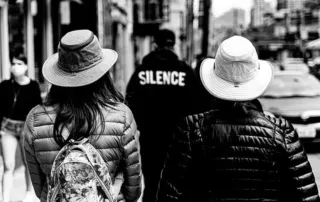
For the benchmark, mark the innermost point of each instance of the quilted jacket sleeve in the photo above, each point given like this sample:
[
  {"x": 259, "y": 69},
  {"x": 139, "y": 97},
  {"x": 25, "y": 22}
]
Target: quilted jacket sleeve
[
  {"x": 131, "y": 188},
  {"x": 299, "y": 171},
  {"x": 174, "y": 175},
  {"x": 38, "y": 178}
]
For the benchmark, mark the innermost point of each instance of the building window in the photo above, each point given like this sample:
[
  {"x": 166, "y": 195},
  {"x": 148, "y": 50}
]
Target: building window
[
  {"x": 156, "y": 10},
  {"x": 16, "y": 27}
]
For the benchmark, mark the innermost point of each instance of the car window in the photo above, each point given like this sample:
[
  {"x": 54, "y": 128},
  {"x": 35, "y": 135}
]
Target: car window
[
  {"x": 295, "y": 64},
  {"x": 293, "y": 85}
]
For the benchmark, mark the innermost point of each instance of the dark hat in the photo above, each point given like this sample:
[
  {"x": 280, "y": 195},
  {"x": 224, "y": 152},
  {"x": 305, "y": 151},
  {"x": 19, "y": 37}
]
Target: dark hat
[
  {"x": 80, "y": 60},
  {"x": 165, "y": 37}
]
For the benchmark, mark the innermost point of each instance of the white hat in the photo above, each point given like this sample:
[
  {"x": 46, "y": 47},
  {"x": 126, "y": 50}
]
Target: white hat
[{"x": 236, "y": 73}]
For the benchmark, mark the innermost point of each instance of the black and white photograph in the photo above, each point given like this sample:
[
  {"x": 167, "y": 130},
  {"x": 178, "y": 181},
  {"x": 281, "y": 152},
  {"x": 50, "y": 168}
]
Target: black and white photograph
[{"x": 159, "y": 100}]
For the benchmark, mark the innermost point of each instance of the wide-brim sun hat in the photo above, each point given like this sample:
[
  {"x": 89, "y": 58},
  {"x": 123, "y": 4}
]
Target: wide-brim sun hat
[
  {"x": 80, "y": 60},
  {"x": 236, "y": 73}
]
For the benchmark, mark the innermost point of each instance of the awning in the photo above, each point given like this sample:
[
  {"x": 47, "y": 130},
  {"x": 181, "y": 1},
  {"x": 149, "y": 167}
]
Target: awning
[{"x": 315, "y": 44}]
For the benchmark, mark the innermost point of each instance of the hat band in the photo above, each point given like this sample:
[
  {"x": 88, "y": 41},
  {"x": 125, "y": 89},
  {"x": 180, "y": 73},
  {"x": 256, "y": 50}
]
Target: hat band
[
  {"x": 252, "y": 76},
  {"x": 70, "y": 70}
]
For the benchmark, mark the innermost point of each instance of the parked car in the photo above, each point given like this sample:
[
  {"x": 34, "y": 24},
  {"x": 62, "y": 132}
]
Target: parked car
[
  {"x": 314, "y": 66},
  {"x": 295, "y": 64},
  {"x": 295, "y": 96}
]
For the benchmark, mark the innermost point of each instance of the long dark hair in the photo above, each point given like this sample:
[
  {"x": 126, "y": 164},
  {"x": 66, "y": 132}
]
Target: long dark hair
[{"x": 80, "y": 107}]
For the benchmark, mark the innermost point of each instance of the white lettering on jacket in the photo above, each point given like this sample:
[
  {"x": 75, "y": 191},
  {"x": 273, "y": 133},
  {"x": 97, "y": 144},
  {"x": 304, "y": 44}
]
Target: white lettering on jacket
[{"x": 162, "y": 78}]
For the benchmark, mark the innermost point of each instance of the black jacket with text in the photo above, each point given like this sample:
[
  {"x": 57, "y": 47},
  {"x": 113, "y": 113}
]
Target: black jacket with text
[
  {"x": 161, "y": 91},
  {"x": 236, "y": 154}
]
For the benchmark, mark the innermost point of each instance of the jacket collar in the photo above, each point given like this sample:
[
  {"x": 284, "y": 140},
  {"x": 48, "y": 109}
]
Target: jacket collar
[{"x": 239, "y": 108}]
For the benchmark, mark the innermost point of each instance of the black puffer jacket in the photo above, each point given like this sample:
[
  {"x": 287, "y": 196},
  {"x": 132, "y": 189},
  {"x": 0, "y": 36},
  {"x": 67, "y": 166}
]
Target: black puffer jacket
[{"x": 236, "y": 155}]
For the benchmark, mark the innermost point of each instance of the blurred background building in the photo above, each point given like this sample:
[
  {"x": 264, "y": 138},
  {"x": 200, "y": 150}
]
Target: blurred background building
[{"x": 35, "y": 26}]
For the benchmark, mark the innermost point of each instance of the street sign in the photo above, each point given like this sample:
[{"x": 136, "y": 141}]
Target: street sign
[{"x": 275, "y": 46}]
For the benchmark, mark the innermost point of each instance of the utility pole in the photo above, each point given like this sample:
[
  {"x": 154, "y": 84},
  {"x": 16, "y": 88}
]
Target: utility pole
[
  {"x": 297, "y": 37},
  {"x": 190, "y": 18},
  {"x": 206, "y": 20}
]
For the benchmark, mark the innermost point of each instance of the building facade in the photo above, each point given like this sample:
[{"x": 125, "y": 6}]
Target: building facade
[
  {"x": 296, "y": 21},
  {"x": 17, "y": 33},
  {"x": 36, "y": 26},
  {"x": 4, "y": 37},
  {"x": 290, "y": 4},
  {"x": 259, "y": 12},
  {"x": 152, "y": 15}
]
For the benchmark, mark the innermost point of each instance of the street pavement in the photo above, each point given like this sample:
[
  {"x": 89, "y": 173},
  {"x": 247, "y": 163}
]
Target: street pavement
[
  {"x": 19, "y": 184},
  {"x": 314, "y": 159}
]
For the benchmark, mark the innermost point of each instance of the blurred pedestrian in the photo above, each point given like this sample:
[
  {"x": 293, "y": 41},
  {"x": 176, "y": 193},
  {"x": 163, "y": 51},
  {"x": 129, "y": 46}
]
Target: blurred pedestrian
[
  {"x": 161, "y": 90},
  {"x": 236, "y": 152},
  {"x": 83, "y": 103},
  {"x": 19, "y": 95}
]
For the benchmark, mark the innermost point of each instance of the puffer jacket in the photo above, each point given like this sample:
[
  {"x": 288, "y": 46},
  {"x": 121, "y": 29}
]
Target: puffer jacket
[
  {"x": 236, "y": 155},
  {"x": 118, "y": 147}
]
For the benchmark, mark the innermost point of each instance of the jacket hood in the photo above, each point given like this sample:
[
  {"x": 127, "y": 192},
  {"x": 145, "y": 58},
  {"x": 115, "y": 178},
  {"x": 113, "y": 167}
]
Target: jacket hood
[{"x": 160, "y": 55}]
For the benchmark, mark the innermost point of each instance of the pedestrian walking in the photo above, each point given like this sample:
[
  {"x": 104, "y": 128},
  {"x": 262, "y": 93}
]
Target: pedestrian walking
[
  {"x": 162, "y": 90},
  {"x": 19, "y": 95},
  {"x": 82, "y": 104},
  {"x": 236, "y": 152}
]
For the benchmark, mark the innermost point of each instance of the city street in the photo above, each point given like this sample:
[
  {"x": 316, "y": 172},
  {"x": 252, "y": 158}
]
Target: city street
[
  {"x": 156, "y": 54},
  {"x": 19, "y": 185},
  {"x": 314, "y": 159}
]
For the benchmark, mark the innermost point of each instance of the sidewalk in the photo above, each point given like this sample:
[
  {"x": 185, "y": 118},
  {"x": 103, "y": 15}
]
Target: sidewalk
[{"x": 19, "y": 184}]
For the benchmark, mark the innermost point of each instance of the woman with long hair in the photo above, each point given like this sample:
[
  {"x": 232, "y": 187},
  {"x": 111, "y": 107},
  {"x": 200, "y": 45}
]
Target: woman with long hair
[
  {"x": 83, "y": 103},
  {"x": 19, "y": 95}
]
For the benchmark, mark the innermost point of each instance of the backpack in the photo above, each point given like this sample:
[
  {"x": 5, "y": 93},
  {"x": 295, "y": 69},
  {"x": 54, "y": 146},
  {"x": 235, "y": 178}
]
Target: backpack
[{"x": 79, "y": 173}]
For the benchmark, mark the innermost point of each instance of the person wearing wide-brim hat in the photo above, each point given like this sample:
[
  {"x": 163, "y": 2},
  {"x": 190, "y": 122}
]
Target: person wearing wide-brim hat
[
  {"x": 83, "y": 103},
  {"x": 236, "y": 152}
]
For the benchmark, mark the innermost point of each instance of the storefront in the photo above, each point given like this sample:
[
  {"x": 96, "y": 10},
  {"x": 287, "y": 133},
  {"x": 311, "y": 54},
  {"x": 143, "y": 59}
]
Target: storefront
[
  {"x": 17, "y": 34},
  {"x": 35, "y": 27},
  {"x": 25, "y": 28},
  {"x": 4, "y": 47}
]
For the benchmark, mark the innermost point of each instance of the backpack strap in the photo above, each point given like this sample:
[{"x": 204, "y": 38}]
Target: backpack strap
[{"x": 53, "y": 181}]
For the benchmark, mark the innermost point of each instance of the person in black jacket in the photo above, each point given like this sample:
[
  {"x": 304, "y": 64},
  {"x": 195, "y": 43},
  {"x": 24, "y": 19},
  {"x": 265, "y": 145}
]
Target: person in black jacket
[
  {"x": 236, "y": 152},
  {"x": 19, "y": 95},
  {"x": 162, "y": 90}
]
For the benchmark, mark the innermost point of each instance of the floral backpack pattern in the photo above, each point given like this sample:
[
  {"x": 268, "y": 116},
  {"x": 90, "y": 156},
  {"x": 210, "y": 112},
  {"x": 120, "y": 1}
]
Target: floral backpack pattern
[{"x": 79, "y": 174}]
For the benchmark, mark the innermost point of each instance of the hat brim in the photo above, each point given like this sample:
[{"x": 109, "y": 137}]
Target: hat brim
[
  {"x": 229, "y": 91},
  {"x": 56, "y": 76}
]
